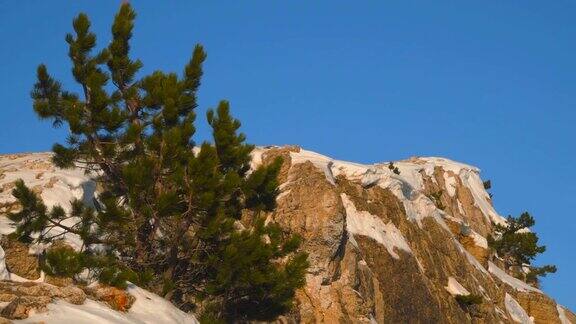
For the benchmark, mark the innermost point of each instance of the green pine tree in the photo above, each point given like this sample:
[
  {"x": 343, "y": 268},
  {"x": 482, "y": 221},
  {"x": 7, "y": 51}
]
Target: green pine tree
[
  {"x": 163, "y": 207},
  {"x": 518, "y": 246}
]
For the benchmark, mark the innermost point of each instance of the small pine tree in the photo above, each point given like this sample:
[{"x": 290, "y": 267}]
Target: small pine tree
[
  {"x": 518, "y": 246},
  {"x": 164, "y": 208},
  {"x": 393, "y": 168}
]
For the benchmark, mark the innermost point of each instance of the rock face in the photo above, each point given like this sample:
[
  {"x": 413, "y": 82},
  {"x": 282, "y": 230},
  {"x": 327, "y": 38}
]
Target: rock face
[
  {"x": 23, "y": 297},
  {"x": 398, "y": 248},
  {"x": 384, "y": 247}
]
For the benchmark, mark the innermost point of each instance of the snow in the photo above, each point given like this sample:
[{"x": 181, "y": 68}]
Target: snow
[
  {"x": 147, "y": 309},
  {"x": 455, "y": 288},
  {"x": 450, "y": 183},
  {"x": 516, "y": 312},
  {"x": 509, "y": 280},
  {"x": 36, "y": 169},
  {"x": 562, "y": 315},
  {"x": 58, "y": 187},
  {"x": 366, "y": 224},
  {"x": 479, "y": 240},
  {"x": 151, "y": 308},
  {"x": 320, "y": 161},
  {"x": 409, "y": 184},
  {"x": 481, "y": 198},
  {"x": 256, "y": 157},
  {"x": 4, "y": 274},
  {"x": 410, "y": 173}
]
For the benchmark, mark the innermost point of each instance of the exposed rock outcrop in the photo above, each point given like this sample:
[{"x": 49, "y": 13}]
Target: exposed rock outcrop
[
  {"x": 23, "y": 297},
  {"x": 384, "y": 246}
]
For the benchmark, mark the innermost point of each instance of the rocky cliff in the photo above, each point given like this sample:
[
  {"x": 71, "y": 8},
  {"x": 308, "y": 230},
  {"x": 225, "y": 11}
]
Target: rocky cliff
[{"x": 384, "y": 246}]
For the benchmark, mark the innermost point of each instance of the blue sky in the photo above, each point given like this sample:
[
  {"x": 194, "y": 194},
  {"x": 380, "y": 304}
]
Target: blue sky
[{"x": 489, "y": 83}]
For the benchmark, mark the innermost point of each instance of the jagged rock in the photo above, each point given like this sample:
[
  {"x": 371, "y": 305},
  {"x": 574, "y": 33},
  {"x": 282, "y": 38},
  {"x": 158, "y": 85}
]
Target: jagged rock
[
  {"x": 20, "y": 307},
  {"x": 58, "y": 281},
  {"x": 358, "y": 278},
  {"x": 539, "y": 306},
  {"x": 25, "y": 296},
  {"x": 19, "y": 260},
  {"x": 117, "y": 299}
]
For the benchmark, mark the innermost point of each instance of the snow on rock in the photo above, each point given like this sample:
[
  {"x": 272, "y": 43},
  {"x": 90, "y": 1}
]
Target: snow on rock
[
  {"x": 320, "y": 161},
  {"x": 409, "y": 184},
  {"x": 4, "y": 274},
  {"x": 470, "y": 177},
  {"x": 509, "y": 280},
  {"x": 562, "y": 315},
  {"x": 471, "y": 259},
  {"x": 516, "y": 312},
  {"x": 256, "y": 157},
  {"x": 366, "y": 224},
  {"x": 151, "y": 308},
  {"x": 479, "y": 240},
  {"x": 481, "y": 198},
  {"x": 417, "y": 205},
  {"x": 147, "y": 309},
  {"x": 56, "y": 186},
  {"x": 455, "y": 288},
  {"x": 450, "y": 183}
]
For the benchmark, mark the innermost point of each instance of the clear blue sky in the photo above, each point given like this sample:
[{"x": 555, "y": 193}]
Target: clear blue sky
[{"x": 490, "y": 83}]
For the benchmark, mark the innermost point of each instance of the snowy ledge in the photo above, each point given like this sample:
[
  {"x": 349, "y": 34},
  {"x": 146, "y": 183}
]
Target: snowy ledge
[
  {"x": 511, "y": 281},
  {"x": 365, "y": 224}
]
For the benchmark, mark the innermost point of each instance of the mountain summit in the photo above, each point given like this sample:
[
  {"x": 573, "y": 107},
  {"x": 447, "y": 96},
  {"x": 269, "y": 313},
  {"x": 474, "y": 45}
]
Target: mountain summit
[{"x": 396, "y": 242}]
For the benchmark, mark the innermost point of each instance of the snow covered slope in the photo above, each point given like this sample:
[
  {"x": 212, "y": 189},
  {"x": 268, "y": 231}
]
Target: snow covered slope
[
  {"x": 59, "y": 187},
  {"x": 147, "y": 309}
]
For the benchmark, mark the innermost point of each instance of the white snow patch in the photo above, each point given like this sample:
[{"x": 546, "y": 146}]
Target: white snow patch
[
  {"x": 471, "y": 179},
  {"x": 479, "y": 240},
  {"x": 516, "y": 312},
  {"x": 450, "y": 183},
  {"x": 410, "y": 173},
  {"x": 4, "y": 274},
  {"x": 36, "y": 169},
  {"x": 455, "y": 288},
  {"x": 58, "y": 187},
  {"x": 366, "y": 224},
  {"x": 256, "y": 157},
  {"x": 509, "y": 280},
  {"x": 562, "y": 315}
]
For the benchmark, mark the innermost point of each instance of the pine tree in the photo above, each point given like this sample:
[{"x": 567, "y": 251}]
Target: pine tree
[
  {"x": 518, "y": 246},
  {"x": 163, "y": 207}
]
